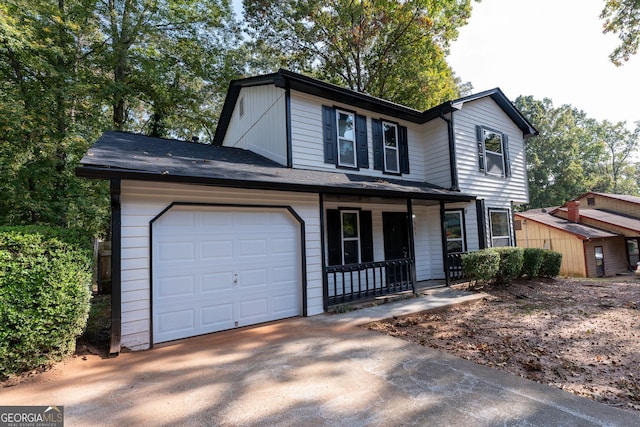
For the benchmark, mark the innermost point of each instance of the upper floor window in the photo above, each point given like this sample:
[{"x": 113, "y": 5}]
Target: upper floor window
[
  {"x": 390, "y": 147},
  {"x": 391, "y": 157},
  {"x": 345, "y": 138},
  {"x": 455, "y": 231},
  {"x": 493, "y": 152},
  {"x": 500, "y": 227}
]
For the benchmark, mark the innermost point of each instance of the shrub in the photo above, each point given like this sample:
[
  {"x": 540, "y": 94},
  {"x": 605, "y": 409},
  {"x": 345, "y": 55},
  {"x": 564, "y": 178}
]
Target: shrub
[
  {"x": 44, "y": 295},
  {"x": 511, "y": 260},
  {"x": 532, "y": 262},
  {"x": 551, "y": 262},
  {"x": 481, "y": 265}
]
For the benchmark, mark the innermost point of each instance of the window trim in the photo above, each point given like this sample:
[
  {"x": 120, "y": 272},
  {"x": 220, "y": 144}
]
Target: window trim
[
  {"x": 463, "y": 237},
  {"x": 352, "y": 140},
  {"x": 385, "y": 147},
  {"x": 482, "y": 152},
  {"x": 344, "y": 239},
  {"x": 509, "y": 226}
]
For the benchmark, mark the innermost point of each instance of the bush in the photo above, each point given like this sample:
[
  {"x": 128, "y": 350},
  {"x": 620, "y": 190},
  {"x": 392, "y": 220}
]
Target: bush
[
  {"x": 551, "y": 262},
  {"x": 45, "y": 278},
  {"x": 481, "y": 265},
  {"x": 532, "y": 262},
  {"x": 511, "y": 259}
]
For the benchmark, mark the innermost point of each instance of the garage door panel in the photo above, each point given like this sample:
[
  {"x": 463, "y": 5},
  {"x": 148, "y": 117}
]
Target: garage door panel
[
  {"x": 216, "y": 282},
  {"x": 198, "y": 257},
  {"x": 216, "y": 250},
  {"x": 217, "y": 317}
]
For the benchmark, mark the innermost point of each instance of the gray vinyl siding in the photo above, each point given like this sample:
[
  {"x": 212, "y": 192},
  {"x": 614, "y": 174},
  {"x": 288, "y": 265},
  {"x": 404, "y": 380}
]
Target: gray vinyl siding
[
  {"x": 262, "y": 129},
  {"x": 497, "y": 191},
  {"x": 142, "y": 201},
  {"x": 308, "y": 145},
  {"x": 436, "y": 153}
]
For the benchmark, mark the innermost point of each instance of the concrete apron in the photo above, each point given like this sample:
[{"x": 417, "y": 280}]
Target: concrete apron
[{"x": 314, "y": 371}]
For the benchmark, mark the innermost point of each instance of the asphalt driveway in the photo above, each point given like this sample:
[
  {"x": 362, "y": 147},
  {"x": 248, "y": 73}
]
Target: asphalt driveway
[{"x": 317, "y": 371}]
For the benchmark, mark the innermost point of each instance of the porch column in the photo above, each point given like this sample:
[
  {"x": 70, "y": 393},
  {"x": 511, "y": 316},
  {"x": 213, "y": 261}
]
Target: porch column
[
  {"x": 443, "y": 233},
  {"x": 325, "y": 284},
  {"x": 412, "y": 246}
]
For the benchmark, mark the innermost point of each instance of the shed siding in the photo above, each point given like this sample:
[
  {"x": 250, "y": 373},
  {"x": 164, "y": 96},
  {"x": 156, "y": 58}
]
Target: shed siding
[
  {"x": 615, "y": 256},
  {"x": 496, "y": 190},
  {"x": 262, "y": 129},
  {"x": 307, "y": 138},
  {"x": 610, "y": 204},
  {"x": 536, "y": 235},
  {"x": 142, "y": 201}
]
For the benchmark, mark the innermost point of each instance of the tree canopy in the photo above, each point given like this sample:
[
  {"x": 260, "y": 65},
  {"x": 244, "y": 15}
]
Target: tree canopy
[
  {"x": 622, "y": 17},
  {"x": 394, "y": 50}
]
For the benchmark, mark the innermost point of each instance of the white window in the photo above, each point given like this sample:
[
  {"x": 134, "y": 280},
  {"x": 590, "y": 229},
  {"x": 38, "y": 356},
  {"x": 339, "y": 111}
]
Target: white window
[
  {"x": 346, "y": 139},
  {"x": 494, "y": 153},
  {"x": 350, "y": 237},
  {"x": 391, "y": 157},
  {"x": 455, "y": 231},
  {"x": 500, "y": 227}
]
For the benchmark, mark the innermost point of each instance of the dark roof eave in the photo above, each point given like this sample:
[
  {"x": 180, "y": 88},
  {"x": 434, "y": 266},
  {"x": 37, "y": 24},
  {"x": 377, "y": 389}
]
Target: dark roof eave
[{"x": 111, "y": 173}]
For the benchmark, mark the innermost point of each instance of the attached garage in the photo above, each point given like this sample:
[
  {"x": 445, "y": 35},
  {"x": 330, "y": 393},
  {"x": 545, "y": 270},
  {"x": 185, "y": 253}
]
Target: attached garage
[{"x": 221, "y": 267}]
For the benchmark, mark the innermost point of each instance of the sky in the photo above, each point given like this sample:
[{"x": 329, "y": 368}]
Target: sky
[{"x": 549, "y": 49}]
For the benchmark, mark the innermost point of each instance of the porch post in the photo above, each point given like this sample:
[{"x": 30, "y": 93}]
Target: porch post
[
  {"x": 443, "y": 233},
  {"x": 325, "y": 284},
  {"x": 412, "y": 246}
]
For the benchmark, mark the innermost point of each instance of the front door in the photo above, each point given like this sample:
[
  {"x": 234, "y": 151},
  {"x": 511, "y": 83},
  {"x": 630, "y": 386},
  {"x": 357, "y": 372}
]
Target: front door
[{"x": 396, "y": 246}]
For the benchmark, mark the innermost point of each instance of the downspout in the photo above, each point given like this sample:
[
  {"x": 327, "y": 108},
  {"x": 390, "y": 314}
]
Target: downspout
[
  {"x": 453, "y": 162},
  {"x": 443, "y": 234},
  {"x": 412, "y": 245},
  {"x": 287, "y": 103},
  {"x": 116, "y": 285}
]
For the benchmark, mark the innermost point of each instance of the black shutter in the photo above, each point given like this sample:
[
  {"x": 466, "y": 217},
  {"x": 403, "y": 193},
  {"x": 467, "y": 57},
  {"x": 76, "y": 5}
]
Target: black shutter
[
  {"x": 334, "y": 237},
  {"x": 376, "y": 130},
  {"x": 404, "y": 149},
  {"x": 480, "y": 139},
  {"x": 366, "y": 236},
  {"x": 482, "y": 224},
  {"x": 361, "y": 141},
  {"x": 507, "y": 160},
  {"x": 329, "y": 135}
]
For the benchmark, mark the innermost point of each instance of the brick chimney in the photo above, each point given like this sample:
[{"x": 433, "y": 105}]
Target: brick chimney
[{"x": 573, "y": 211}]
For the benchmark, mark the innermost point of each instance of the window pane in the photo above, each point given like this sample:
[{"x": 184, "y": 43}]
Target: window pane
[
  {"x": 391, "y": 160},
  {"x": 390, "y": 139},
  {"x": 351, "y": 252},
  {"x": 499, "y": 224},
  {"x": 347, "y": 155},
  {"x": 454, "y": 227},
  {"x": 345, "y": 125},
  {"x": 454, "y": 246},
  {"x": 495, "y": 165},
  {"x": 492, "y": 142},
  {"x": 504, "y": 241},
  {"x": 349, "y": 225}
]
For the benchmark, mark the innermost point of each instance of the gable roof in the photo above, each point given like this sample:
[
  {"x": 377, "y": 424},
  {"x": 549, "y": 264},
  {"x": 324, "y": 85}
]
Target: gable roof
[
  {"x": 581, "y": 231},
  {"x": 621, "y": 197},
  {"x": 606, "y": 217},
  {"x": 289, "y": 80},
  {"x": 132, "y": 156}
]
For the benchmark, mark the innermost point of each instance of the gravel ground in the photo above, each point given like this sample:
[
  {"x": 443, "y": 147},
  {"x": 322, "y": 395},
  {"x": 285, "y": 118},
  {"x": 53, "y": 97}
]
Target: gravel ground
[{"x": 579, "y": 335}]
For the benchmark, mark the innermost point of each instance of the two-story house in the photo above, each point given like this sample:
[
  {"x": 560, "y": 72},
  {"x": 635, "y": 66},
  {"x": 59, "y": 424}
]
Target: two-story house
[{"x": 311, "y": 195}]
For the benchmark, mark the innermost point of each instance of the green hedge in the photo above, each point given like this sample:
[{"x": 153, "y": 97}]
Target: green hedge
[
  {"x": 45, "y": 278},
  {"x": 532, "y": 262},
  {"x": 551, "y": 262},
  {"x": 511, "y": 259},
  {"x": 481, "y": 266}
]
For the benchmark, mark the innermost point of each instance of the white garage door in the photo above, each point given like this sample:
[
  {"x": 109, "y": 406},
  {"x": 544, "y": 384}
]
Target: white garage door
[{"x": 222, "y": 268}]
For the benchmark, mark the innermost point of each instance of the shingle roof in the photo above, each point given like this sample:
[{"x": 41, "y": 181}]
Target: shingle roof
[
  {"x": 132, "y": 156},
  {"x": 581, "y": 231},
  {"x": 609, "y": 217}
]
